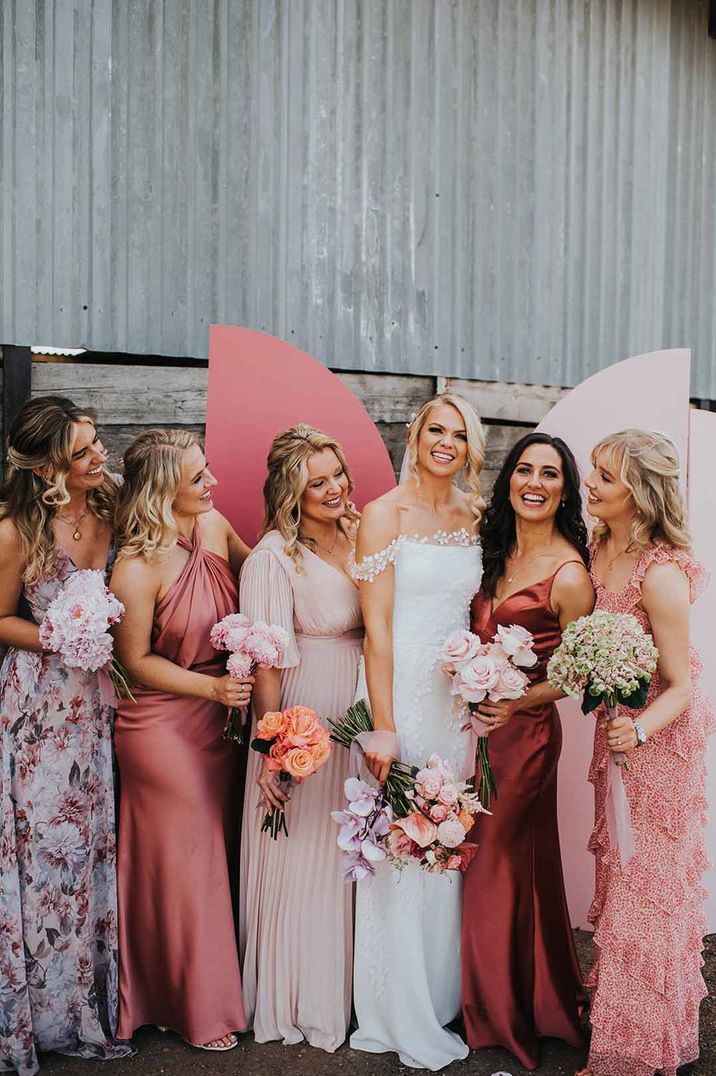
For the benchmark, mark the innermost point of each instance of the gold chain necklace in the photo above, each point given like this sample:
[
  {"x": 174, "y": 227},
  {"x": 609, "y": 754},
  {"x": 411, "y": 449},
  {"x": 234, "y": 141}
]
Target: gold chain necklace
[
  {"x": 312, "y": 541},
  {"x": 77, "y": 533},
  {"x": 521, "y": 567},
  {"x": 611, "y": 560}
]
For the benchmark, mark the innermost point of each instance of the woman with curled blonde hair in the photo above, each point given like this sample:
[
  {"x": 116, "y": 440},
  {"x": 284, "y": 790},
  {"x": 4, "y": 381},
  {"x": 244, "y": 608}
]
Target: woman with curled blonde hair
[
  {"x": 58, "y": 942},
  {"x": 176, "y": 573},
  {"x": 296, "y": 918},
  {"x": 419, "y": 563},
  {"x": 648, "y": 915}
]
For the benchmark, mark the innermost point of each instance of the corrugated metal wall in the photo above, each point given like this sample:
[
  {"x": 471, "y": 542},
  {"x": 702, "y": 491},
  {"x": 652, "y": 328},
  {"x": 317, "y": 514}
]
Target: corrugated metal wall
[{"x": 518, "y": 190}]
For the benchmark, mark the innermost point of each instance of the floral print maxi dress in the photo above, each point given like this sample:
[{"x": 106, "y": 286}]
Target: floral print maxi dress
[
  {"x": 58, "y": 912},
  {"x": 646, "y": 981}
]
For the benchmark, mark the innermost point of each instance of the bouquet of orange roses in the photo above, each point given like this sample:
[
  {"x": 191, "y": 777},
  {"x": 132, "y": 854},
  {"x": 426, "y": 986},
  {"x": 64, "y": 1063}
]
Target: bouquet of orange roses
[{"x": 295, "y": 745}]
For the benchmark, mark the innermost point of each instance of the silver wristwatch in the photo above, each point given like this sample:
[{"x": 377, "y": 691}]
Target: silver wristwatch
[{"x": 640, "y": 734}]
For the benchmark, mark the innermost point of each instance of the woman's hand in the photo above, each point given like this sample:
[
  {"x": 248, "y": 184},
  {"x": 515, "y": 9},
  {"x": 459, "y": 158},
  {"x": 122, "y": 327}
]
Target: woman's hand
[
  {"x": 621, "y": 734},
  {"x": 379, "y": 765},
  {"x": 231, "y": 692},
  {"x": 270, "y": 786},
  {"x": 495, "y": 715}
]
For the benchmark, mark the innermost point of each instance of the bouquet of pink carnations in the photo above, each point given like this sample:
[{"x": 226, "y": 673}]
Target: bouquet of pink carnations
[
  {"x": 76, "y": 626},
  {"x": 421, "y": 816},
  {"x": 295, "y": 745},
  {"x": 252, "y": 644},
  {"x": 491, "y": 671},
  {"x": 607, "y": 658}
]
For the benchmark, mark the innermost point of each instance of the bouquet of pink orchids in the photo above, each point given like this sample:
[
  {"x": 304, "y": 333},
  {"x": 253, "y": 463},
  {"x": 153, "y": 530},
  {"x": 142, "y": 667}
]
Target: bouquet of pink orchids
[
  {"x": 492, "y": 671},
  {"x": 432, "y": 833},
  {"x": 252, "y": 644},
  {"x": 419, "y": 815},
  {"x": 295, "y": 744},
  {"x": 76, "y": 626}
]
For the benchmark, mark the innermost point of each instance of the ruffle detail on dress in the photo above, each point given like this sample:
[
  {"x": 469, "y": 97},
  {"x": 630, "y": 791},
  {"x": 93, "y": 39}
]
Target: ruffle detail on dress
[{"x": 662, "y": 553}]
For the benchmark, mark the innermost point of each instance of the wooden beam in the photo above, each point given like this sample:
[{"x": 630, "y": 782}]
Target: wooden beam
[{"x": 17, "y": 371}]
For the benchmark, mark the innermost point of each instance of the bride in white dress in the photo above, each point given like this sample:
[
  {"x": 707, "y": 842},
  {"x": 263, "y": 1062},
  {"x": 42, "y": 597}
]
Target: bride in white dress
[{"x": 419, "y": 564}]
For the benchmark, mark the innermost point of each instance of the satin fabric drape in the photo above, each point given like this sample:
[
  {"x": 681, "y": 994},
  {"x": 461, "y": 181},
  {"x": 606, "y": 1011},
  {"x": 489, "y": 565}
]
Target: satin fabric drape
[
  {"x": 520, "y": 975},
  {"x": 178, "y": 958}
]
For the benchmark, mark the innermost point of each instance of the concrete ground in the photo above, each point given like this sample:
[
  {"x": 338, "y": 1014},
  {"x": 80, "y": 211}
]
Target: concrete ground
[{"x": 159, "y": 1054}]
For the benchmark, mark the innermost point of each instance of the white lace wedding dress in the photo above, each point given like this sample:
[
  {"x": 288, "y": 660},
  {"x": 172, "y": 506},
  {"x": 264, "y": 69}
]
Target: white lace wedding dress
[{"x": 407, "y": 944}]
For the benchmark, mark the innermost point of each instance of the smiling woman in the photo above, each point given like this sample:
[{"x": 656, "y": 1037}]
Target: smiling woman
[
  {"x": 176, "y": 573},
  {"x": 520, "y": 978},
  {"x": 296, "y": 921},
  {"x": 58, "y": 938}
]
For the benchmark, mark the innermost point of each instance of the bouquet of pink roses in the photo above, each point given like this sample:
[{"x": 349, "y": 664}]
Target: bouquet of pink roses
[
  {"x": 433, "y": 833},
  {"x": 251, "y": 644},
  {"x": 488, "y": 671},
  {"x": 76, "y": 626},
  {"x": 295, "y": 745}
]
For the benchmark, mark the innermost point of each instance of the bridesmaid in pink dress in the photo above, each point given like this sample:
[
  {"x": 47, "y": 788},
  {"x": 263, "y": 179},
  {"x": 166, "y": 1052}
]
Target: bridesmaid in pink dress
[
  {"x": 520, "y": 976},
  {"x": 178, "y": 959},
  {"x": 296, "y": 915},
  {"x": 649, "y": 919}
]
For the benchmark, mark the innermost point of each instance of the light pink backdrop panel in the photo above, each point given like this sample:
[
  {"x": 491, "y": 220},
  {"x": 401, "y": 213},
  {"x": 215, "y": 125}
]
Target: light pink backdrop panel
[
  {"x": 649, "y": 390},
  {"x": 702, "y": 518},
  {"x": 259, "y": 385}
]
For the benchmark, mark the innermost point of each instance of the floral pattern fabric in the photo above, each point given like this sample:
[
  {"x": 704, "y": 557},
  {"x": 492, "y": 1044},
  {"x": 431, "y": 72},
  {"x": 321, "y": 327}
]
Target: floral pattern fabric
[
  {"x": 646, "y": 982},
  {"x": 58, "y": 916}
]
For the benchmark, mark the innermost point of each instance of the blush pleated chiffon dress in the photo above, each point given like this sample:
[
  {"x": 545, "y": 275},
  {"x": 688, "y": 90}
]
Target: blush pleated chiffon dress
[
  {"x": 646, "y": 982},
  {"x": 179, "y": 964},
  {"x": 296, "y": 911}
]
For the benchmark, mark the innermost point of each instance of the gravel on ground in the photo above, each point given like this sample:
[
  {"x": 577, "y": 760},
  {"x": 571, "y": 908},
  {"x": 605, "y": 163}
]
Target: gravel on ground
[{"x": 166, "y": 1055}]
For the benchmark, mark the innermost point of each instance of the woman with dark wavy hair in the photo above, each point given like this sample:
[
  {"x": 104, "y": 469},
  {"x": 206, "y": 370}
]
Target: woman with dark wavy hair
[{"x": 520, "y": 976}]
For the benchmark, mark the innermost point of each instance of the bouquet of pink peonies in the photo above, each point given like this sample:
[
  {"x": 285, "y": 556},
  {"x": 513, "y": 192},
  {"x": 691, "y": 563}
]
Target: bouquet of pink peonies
[
  {"x": 490, "y": 671},
  {"x": 251, "y": 644},
  {"x": 76, "y": 626},
  {"x": 607, "y": 658},
  {"x": 295, "y": 745}
]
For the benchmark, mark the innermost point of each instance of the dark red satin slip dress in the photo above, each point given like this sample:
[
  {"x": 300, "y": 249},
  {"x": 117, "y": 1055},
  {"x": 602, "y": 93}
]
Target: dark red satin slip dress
[{"x": 520, "y": 975}]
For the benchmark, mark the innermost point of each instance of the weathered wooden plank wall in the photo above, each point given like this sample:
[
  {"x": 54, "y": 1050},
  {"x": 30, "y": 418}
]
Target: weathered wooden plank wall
[{"x": 130, "y": 398}]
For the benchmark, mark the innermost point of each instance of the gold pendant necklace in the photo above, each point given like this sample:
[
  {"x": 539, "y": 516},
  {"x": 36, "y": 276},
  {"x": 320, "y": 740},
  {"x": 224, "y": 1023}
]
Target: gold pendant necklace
[
  {"x": 77, "y": 533},
  {"x": 312, "y": 541}
]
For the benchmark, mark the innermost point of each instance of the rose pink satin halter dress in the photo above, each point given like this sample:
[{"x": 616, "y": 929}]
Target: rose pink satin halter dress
[
  {"x": 178, "y": 803},
  {"x": 520, "y": 976}
]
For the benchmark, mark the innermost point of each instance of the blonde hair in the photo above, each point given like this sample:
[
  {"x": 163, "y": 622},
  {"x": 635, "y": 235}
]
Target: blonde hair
[
  {"x": 475, "y": 446},
  {"x": 145, "y": 520},
  {"x": 39, "y": 460},
  {"x": 287, "y": 479},
  {"x": 647, "y": 462}
]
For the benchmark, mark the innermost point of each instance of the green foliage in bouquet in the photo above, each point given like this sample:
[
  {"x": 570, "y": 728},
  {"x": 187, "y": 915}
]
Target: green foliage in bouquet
[{"x": 401, "y": 778}]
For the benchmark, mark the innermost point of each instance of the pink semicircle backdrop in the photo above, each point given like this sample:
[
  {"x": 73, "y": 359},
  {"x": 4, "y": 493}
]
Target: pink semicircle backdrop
[
  {"x": 650, "y": 390},
  {"x": 258, "y": 386}
]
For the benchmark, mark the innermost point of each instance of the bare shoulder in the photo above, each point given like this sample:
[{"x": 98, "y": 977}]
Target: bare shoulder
[
  {"x": 665, "y": 580},
  {"x": 214, "y": 523},
  {"x": 10, "y": 541},
  {"x": 379, "y": 525},
  {"x": 137, "y": 573}
]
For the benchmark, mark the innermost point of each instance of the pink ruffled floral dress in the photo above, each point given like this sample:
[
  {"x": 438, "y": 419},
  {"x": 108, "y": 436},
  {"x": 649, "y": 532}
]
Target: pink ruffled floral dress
[{"x": 646, "y": 982}]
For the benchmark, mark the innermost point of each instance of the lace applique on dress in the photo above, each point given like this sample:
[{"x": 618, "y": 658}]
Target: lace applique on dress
[{"x": 371, "y": 566}]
